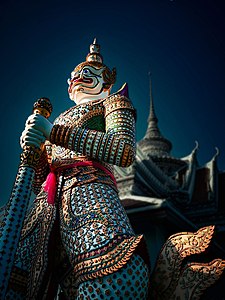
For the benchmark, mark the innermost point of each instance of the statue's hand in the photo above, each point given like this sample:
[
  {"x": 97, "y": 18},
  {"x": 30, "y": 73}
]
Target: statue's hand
[
  {"x": 31, "y": 137},
  {"x": 37, "y": 130},
  {"x": 40, "y": 123}
]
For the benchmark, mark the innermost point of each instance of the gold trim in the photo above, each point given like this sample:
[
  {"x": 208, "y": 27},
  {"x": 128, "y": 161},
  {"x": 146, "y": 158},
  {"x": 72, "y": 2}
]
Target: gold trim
[
  {"x": 108, "y": 263},
  {"x": 169, "y": 276}
]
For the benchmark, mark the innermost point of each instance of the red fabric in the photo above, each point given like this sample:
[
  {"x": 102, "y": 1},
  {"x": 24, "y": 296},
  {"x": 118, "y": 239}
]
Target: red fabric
[
  {"x": 50, "y": 184},
  {"x": 50, "y": 187}
]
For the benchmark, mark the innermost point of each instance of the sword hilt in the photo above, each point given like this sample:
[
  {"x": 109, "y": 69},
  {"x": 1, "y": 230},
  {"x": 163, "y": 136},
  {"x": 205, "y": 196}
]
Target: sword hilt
[
  {"x": 31, "y": 154},
  {"x": 43, "y": 107}
]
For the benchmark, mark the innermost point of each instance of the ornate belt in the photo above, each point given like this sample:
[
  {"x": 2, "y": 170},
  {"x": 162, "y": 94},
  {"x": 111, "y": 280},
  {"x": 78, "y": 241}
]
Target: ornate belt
[{"x": 50, "y": 183}]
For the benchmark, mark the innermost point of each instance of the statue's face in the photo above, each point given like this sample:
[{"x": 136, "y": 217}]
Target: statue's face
[{"x": 87, "y": 84}]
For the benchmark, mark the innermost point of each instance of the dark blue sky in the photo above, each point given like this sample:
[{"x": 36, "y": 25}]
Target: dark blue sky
[{"x": 182, "y": 42}]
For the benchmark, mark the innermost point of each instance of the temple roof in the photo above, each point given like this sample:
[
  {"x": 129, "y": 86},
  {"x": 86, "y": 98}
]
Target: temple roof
[{"x": 156, "y": 174}]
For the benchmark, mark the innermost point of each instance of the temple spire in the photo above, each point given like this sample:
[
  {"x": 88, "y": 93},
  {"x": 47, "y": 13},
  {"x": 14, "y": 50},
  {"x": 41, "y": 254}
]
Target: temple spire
[
  {"x": 154, "y": 142},
  {"x": 152, "y": 129},
  {"x": 152, "y": 115}
]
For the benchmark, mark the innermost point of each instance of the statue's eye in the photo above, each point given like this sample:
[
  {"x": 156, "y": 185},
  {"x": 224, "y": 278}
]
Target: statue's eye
[{"x": 86, "y": 72}]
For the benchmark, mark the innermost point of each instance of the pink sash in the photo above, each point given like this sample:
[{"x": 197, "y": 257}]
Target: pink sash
[{"x": 50, "y": 184}]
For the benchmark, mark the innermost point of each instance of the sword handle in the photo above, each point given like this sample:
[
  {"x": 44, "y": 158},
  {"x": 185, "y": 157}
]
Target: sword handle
[
  {"x": 43, "y": 107},
  {"x": 31, "y": 154}
]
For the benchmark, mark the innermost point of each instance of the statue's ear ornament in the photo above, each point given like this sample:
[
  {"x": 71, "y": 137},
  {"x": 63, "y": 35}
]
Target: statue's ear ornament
[{"x": 109, "y": 77}]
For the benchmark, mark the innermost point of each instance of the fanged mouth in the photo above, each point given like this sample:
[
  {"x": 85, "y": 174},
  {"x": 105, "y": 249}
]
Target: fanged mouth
[{"x": 78, "y": 81}]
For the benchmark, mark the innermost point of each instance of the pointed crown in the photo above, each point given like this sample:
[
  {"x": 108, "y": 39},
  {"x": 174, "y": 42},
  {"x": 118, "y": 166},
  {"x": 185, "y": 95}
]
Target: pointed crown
[
  {"x": 94, "y": 55},
  {"x": 95, "y": 59}
]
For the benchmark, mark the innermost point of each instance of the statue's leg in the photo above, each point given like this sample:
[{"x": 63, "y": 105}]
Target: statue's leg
[
  {"x": 31, "y": 258},
  {"x": 130, "y": 282},
  {"x": 101, "y": 246}
]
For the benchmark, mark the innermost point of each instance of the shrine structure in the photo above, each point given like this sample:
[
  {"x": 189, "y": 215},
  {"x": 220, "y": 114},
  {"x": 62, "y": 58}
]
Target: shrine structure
[{"x": 164, "y": 195}]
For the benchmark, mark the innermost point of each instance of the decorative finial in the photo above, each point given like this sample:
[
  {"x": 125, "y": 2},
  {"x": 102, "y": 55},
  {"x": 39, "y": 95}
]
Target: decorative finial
[
  {"x": 196, "y": 145},
  {"x": 94, "y": 55},
  {"x": 196, "y": 148},
  {"x": 217, "y": 152}
]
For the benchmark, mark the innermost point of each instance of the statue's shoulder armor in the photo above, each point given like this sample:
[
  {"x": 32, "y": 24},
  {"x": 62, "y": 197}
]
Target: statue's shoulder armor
[{"x": 117, "y": 101}]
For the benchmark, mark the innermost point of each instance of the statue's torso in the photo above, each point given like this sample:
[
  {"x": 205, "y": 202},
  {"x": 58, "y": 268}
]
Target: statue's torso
[
  {"x": 90, "y": 210},
  {"x": 89, "y": 115}
]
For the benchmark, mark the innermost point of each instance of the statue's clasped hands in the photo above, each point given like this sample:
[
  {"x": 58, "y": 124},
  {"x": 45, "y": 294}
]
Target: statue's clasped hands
[{"x": 37, "y": 130}]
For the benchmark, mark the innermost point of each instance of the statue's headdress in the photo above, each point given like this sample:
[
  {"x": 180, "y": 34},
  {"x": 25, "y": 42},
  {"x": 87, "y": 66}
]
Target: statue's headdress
[
  {"x": 94, "y": 55},
  {"x": 95, "y": 59}
]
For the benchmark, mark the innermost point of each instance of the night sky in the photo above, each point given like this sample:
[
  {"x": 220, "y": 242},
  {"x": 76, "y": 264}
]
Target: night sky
[{"x": 182, "y": 43}]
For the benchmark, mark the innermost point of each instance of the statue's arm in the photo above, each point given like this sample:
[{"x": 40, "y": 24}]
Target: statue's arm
[
  {"x": 115, "y": 146},
  {"x": 43, "y": 168},
  {"x": 33, "y": 135}
]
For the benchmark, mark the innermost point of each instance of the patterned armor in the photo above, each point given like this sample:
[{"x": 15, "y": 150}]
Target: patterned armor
[{"x": 83, "y": 241}]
